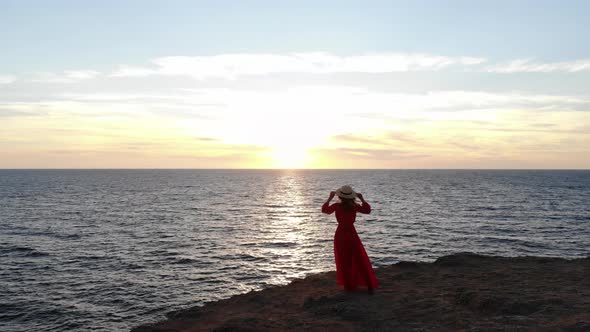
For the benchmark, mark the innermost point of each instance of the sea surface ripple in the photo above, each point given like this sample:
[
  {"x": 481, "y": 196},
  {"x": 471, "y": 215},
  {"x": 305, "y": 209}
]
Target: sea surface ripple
[{"x": 106, "y": 250}]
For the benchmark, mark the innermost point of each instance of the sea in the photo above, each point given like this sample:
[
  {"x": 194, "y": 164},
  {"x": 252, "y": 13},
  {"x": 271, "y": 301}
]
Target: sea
[{"x": 107, "y": 250}]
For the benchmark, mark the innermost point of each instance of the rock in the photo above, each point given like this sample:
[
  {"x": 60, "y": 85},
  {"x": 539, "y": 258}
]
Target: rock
[
  {"x": 580, "y": 326},
  {"x": 248, "y": 324},
  {"x": 466, "y": 292}
]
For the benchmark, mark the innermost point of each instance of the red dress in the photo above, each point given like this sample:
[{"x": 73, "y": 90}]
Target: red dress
[{"x": 353, "y": 267}]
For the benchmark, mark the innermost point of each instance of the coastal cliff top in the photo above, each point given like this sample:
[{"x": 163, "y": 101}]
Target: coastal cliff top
[{"x": 458, "y": 292}]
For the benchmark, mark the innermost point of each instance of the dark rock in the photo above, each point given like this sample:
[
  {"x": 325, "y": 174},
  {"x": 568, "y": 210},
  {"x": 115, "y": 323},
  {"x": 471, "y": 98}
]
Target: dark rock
[
  {"x": 152, "y": 328},
  {"x": 190, "y": 312},
  {"x": 461, "y": 292},
  {"x": 465, "y": 297},
  {"x": 461, "y": 259},
  {"x": 520, "y": 308},
  {"x": 407, "y": 265},
  {"x": 491, "y": 304},
  {"x": 248, "y": 324},
  {"x": 579, "y": 326}
]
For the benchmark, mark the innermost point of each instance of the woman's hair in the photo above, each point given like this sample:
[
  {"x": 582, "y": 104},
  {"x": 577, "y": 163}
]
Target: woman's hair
[{"x": 348, "y": 203}]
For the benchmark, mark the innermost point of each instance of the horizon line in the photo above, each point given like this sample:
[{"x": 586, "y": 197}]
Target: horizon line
[{"x": 300, "y": 169}]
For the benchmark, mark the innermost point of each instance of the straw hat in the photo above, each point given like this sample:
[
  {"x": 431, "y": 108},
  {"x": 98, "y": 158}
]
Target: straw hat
[{"x": 345, "y": 192}]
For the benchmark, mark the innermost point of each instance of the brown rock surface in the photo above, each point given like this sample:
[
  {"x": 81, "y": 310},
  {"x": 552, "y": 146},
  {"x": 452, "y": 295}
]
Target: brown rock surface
[{"x": 462, "y": 292}]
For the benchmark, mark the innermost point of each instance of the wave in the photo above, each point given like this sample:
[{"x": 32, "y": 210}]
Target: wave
[
  {"x": 278, "y": 244},
  {"x": 22, "y": 251},
  {"x": 241, "y": 257},
  {"x": 185, "y": 261},
  {"x": 516, "y": 241}
]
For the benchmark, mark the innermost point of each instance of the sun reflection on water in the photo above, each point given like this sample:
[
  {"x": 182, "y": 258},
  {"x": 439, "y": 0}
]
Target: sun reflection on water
[{"x": 291, "y": 227}]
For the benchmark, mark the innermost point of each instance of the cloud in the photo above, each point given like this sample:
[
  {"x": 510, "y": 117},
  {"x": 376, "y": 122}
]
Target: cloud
[
  {"x": 581, "y": 131},
  {"x": 527, "y": 65},
  {"x": 206, "y": 139},
  {"x": 378, "y": 139},
  {"x": 375, "y": 154},
  {"x": 355, "y": 138},
  {"x": 185, "y": 97},
  {"x": 442, "y": 99},
  {"x": 5, "y": 113},
  {"x": 129, "y": 71},
  {"x": 230, "y": 66},
  {"x": 68, "y": 76},
  {"x": 7, "y": 79},
  {"x": 343, "y": 106},
  {"x": 239, "y": 65},
  {"x": 461, "y": 100}
]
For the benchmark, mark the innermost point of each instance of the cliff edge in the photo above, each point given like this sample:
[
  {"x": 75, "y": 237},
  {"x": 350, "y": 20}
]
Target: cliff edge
[{"x": 458, "y": 292}]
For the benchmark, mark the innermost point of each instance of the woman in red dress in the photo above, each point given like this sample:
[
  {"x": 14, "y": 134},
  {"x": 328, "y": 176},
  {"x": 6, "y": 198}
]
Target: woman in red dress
[{"x": 353, "y": 267}]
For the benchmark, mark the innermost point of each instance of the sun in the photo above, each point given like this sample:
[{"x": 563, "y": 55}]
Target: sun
[{"x": 290, "y": 157}]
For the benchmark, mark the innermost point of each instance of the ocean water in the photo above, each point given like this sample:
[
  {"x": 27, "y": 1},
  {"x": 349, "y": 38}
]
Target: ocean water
[{"x": 106, "y": 250}]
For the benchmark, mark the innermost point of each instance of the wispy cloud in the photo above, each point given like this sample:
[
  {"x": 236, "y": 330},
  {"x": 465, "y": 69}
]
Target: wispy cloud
[
  {"x": 230, "y": 66},
  {"x": 359, "y": 155},
  {"x": 388, "y": 138},
  {"x": 239, "y": 65},
  {"x": 7, "y": 79},
  {"x": 580, "y": 131},
  {"x": 206, "y": 139},
  {"x": 130, "y": 71},
  {"x": 68, "y": 76},
  {"x": 528, "y": 65},
  {"x": 5, "y": 113},
  {"x": 325, "y": 102},
  {"x": 444, "y": 100}
]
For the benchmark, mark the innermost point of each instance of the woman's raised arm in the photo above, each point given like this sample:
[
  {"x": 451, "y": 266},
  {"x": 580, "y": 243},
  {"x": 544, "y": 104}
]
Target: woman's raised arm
[
  {"x": 327, "y": 208},
  {"x": 364, "y": 207}
]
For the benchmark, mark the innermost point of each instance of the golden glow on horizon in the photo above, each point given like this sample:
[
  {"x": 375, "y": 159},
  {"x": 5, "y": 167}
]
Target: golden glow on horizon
[
  {"x": 302, "y": 128},
  {"x": 290, "y": 157}
]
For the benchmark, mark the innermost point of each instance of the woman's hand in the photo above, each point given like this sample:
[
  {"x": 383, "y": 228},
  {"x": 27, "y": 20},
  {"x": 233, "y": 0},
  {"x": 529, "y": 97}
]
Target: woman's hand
[
  {"x": 332, "y": 194},
  {"x": 360, "y": 196}
]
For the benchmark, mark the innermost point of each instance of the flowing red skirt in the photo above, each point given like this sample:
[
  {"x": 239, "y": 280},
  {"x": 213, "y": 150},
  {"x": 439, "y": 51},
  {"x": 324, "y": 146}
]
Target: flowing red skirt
[{"x": 353, "y": 267}]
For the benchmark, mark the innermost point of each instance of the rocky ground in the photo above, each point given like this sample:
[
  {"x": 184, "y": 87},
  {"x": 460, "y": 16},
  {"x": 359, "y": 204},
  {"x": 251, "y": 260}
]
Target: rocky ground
[{"x": 463, "y": 292}]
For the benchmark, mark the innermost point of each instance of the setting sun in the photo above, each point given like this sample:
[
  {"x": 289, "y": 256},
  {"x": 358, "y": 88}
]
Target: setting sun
[{"x": 290, "y": 157}]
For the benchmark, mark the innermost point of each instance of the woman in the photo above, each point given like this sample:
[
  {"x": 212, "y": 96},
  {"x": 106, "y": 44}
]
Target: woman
[{"x": 353, "y": 267}]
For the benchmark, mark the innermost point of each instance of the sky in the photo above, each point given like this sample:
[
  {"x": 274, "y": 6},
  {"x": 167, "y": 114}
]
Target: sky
[{"x": 295, "y": 84}]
